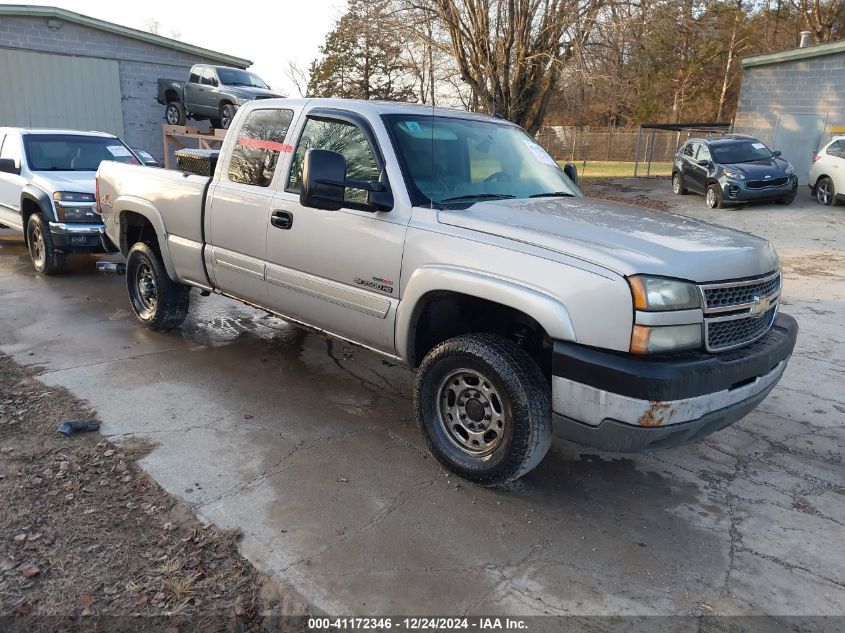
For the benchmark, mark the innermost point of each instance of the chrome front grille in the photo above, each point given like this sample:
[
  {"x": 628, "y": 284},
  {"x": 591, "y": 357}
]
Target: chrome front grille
[{"x": 738, "y": 313}]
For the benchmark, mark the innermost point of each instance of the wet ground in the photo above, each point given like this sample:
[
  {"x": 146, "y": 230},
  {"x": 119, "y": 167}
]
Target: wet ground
[{"x": 310, "y": 448}]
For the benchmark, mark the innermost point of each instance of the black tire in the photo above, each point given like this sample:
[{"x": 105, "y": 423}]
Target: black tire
[
  {"x": 175, "y": 114},
  {"x": 713, "y": 197},
  {"x": 512, "y": 416},
  {"x": 215, "y": 122},
  {"x": 227, "y": 113},
  {"x": 678, "y": 184},
  {"x": 825, "y": 192},
  {"x": 45, "y": 258},
  {"x": 157, "y": 301}
]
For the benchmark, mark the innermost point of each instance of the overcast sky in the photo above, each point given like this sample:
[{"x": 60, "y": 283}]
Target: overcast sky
[{"x": 268, "y": 33}]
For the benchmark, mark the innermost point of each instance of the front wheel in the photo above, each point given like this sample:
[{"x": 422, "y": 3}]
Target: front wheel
[
  {"x": 157, "y": 301},
  {"x": 45, "y": 258},
  {"x": 713, "y": 197},
  {"x": 825, "y": 192},
  {"x": 227, "y": 113},
  {"x": 483, "y": 407}
]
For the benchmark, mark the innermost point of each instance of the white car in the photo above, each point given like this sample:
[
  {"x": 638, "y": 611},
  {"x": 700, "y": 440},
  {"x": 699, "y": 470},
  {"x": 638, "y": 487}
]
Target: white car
[
  {"x": 827, "y": 174},
  {"x": 47, "y": 190}
]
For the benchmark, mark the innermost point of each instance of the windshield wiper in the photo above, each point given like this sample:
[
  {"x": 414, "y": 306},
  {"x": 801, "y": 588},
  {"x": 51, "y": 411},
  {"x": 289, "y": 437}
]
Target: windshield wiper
[
  {"x": 480, "y": 196},
  {"x": 552, "y": 194}
]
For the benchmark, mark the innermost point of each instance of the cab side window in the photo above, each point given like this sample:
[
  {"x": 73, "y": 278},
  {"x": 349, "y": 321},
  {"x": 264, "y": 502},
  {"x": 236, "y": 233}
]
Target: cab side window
[
  {"x": 345, "y": 139},
  {"x": 208, "y": 78},
  {"x": 689, "y": 150},
  {"x": 12, "y": 149},
  {"x": 261, "y": 140}
]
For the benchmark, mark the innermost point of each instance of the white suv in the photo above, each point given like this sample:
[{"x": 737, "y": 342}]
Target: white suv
[
  {"x": 827, "y": 174},
  {"x": 47, "y": 190}
]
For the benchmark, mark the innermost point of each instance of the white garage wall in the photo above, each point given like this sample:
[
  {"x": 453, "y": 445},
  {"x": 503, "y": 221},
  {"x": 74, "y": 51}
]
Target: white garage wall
[{"x": 60, "y": 91}]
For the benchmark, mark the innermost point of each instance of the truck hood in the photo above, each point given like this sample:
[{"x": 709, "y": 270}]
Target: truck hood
[
  {"x": 760, "y": 170},
  {"x": 51, "y": 181},
  {"x": 626, "y": 239},
  {"x": 249, "y": 92}
]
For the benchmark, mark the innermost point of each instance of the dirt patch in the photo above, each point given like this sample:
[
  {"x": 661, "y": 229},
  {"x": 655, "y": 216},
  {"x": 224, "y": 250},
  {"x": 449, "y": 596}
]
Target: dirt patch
[
  {"x": 598, "y": 189},
  {"x": 815, "y": 265},
  {"x": 86, "y": 534}
]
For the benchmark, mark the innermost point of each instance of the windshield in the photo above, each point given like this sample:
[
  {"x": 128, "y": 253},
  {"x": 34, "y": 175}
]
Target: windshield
[
  {"x": 740, "y": 152},
  {"x": 457, "y": 162},
  {"x": 234, "y": 77},
  {"x": 73, "y": 152}
]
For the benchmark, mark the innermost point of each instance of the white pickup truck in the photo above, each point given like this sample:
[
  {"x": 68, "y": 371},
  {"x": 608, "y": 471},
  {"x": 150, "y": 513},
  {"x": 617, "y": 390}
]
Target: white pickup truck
[
  {"x": 453, "y": 243},
  {"x": 47, "y": 190}
]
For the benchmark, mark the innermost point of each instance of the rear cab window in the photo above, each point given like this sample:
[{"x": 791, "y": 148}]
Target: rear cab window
[{"x": 259, "y": 144}]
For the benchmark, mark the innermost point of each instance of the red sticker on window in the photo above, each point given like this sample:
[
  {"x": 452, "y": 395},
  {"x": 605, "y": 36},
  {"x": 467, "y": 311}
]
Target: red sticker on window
[{"x": 273, "y": 146}]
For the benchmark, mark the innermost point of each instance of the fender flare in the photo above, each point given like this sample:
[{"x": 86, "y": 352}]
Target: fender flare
[
  {"x": 143, "y": 208},
  {"x": 548, "y": 311},
  {"x": 39, "y": 197}
]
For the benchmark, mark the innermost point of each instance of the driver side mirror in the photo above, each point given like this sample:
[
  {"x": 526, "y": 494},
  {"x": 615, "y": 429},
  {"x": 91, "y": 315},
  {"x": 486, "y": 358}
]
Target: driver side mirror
[
  {"x": 571, "y": 172},
  {"x": 8, "y": 166},
  {"x": 324, "y": 184},
  {"x": 777, "y": 152}
]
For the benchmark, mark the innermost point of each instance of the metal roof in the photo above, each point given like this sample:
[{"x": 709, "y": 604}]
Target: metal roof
[
  {"x": 794, "y": 54},
  {"x": 26, "y": 10}
]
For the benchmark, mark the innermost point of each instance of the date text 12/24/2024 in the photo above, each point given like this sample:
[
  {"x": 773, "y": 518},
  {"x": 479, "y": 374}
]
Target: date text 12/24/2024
[{"x": 416, "y": 624}]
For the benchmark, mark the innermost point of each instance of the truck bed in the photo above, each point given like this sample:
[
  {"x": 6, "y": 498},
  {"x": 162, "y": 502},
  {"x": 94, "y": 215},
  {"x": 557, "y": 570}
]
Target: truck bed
[{"x": 170, "y": 198}]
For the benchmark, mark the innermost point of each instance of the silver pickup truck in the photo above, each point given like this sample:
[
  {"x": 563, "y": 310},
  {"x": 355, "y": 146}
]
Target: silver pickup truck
[{"x": 453, "y": 243}]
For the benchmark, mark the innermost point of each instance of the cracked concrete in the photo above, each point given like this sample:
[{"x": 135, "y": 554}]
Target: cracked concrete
[{"x": 309, "y": 447}]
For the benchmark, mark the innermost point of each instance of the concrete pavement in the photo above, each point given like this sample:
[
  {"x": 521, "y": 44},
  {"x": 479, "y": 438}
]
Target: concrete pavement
[{"x": 309, "y": 447}]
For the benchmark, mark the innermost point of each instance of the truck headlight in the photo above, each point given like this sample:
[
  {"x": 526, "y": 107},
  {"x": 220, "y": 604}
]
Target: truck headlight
[
  {"x": 659, "y": 293},
  {"x": 734, "y": 175},
  {"x": 240, "y": 102},
  {"x": 74, "y": 206}
]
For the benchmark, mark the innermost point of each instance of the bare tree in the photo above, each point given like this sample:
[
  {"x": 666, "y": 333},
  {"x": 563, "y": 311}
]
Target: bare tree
[
  {"x": 298, "y": 77},
  {"x": 510, "y": 52},
  {"x": 823, "y": 18}
]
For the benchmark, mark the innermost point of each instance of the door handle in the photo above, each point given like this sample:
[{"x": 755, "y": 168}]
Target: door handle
[{"x": 281, "y": 219}]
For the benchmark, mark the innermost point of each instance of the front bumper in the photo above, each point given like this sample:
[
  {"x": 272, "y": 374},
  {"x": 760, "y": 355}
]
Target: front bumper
[
  {"x": 627, "y": 403},
  {"x": 736, "y": 191},
  {"x": 77, "y": 238}
]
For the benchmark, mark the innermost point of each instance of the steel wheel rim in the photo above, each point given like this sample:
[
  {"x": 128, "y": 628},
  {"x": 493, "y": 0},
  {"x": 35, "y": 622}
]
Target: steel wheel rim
[
  {"x": 225, "y": 120},
  {"x": 36, "y": 245},
  {"x": 676, "y": 184},
  {"x": 172, "y": 115},
  {"x": 145, "y": 287},
  {"x": 711, "y": 198},
  {"x": 471, "y": 412},
  {"x": 823, "y": 193}
]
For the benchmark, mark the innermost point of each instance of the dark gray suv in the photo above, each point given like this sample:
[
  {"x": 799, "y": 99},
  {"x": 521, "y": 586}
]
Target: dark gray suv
[{"x": 733, "y": 169}]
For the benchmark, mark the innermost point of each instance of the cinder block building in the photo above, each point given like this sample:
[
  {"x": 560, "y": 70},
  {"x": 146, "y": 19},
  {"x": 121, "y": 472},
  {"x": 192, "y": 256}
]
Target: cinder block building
[
  {"x": 66, "y": 70},
  {"x": 794, "y": 100}
]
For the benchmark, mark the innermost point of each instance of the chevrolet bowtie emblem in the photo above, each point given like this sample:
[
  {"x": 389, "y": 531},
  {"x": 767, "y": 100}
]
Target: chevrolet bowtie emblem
[{"x": 760, "y": 305}]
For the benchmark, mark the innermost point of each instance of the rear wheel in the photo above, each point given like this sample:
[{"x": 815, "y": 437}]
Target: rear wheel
[
  {"x": 713, "y": 197},
  {"x": 678, "y": 184},
  {"x": 159, "y": 302},
  {"x": 174, "y": 114},
  {"x": 45, "y": 258},
  {"x": 484, "y": 408},
  {"x": 825, "y": 192}
]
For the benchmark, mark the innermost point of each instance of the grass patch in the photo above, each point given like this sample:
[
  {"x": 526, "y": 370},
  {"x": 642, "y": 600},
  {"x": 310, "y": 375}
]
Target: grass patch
[{"x": 618, "y": 169}]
